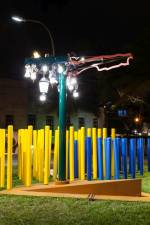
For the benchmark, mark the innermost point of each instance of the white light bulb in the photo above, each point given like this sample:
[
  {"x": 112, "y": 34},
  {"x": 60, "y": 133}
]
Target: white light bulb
[
  {"x": 70, "y": 87},
  {"x": 73, "y": 81},
  {"x": 17, "y": 19},
  {"x": 75, "y": 94},
  {"x": 43, "y": 97},
  {"x": 33, "y": 76},
  {"x": 44, "y": 85},
  {"x": 27, "y": 74},
  {"x": 36, "y": 55},
  {"x": 82, "y": 59},
  {"x": 60, "y": 69},
  {"x": 45, "y": 68},
  {"x": 53, "y": 80}
]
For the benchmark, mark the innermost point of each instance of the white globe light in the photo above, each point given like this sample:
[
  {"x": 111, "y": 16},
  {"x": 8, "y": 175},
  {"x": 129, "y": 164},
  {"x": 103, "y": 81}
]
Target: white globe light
[
  {"x": 73, "y": 81},
  {"x": 42, "y": 97},
  {"x": 70, "y": 87},
  {"x": 53, "y": 80},
  {"x": 36, "y": 55},
  {"x": 44, "y": 85},
  {"x": 75, "y": 94},
  {"x": 60, "y": 69},
  {"x": 45, "y": 68},
  {"x": 17, "y": 19},
  {"x": 27, "y": 74},
  {"x": 33, "y": 76}
]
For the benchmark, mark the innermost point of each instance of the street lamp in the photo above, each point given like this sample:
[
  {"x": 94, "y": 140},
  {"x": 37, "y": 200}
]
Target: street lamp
[
  {"x": 20, "y": 20},
  {"x": 63, "y": 72}
]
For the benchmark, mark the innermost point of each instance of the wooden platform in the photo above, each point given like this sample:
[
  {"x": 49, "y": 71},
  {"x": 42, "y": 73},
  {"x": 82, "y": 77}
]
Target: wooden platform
[
  {"x": 112, "y": 187},
  {"x": 124, "y": 190}
]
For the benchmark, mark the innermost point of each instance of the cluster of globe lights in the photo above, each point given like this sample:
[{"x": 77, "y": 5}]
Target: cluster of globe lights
[{"x": 50, "y": 77}]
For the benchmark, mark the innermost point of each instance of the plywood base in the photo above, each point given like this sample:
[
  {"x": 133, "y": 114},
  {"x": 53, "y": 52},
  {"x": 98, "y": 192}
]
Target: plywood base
[
  {"x": 122, "y": 190},
  {"x": 131, "y": 187}
]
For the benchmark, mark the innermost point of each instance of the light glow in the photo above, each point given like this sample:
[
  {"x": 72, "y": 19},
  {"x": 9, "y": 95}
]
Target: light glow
[
  {"x": 17, "y": 19},
  {"x": 60, "y": 69},
  {"x": 75, "y": 94},
  {"x": 42, "y": 97},
  {"x": 44, "y": 85},
  {"x": 36, "y": 55},
  {"x": 45, "y": 68}
]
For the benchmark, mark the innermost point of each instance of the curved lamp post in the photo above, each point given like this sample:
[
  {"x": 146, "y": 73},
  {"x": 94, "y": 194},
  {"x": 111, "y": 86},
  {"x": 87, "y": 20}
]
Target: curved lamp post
[
  {"x": 63, "y": 71},
  {"x": 20, "y": 20}
]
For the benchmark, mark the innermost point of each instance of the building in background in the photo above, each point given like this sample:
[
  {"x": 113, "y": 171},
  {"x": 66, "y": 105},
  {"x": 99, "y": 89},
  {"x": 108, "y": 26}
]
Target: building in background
[{"x": 19, "y": 106}]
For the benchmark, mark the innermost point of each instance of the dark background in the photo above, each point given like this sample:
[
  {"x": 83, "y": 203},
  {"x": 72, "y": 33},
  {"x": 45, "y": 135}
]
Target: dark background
[{"x": 86, "y": 28}]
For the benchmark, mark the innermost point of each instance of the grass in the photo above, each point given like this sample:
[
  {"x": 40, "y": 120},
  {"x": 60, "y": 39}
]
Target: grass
[{"x": 21, "y": 210}]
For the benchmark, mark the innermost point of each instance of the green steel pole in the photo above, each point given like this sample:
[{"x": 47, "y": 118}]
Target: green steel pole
[{"x": 62, "y": 128}]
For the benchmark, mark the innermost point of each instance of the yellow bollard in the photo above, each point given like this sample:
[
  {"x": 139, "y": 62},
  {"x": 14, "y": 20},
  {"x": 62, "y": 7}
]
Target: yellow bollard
[
  {"x": 2, "y": 158},
  {"x": 35, "y": 155},
  {"x": 79, "y": 153},
  {"x": 94, "y": 144},
  {"x": 23, "y": 155},
  {"x": 19, "y": 154},
  {"x": 71, "y": 143},
  {"x": 28, "y": 159},
  {"x": 113, "y": 135},
  {"x": 9, "y": 156},
  {"x": 41, "y": 155},
  {"x": 82, "y": 153},
  {"x": 50, "y": 149},
  {"x": 46, "y": 158},
  {"x": 67, "y": 142},
  {"x": 55, "y": 163},
  {"x": 99, "y": 132},
  {"x": 104, "y": 164},
  {"x": 38, "y": 153},
  {"x": 30, "y": 131}
]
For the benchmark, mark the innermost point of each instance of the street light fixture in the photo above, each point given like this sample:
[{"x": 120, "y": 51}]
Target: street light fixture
[
  {"x": 63, "y": 72},
  {"x": 19, "y": 19}
]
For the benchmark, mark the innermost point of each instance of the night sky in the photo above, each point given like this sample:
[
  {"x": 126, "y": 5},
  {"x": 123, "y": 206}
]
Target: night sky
[{"x": 84, "y": 27}]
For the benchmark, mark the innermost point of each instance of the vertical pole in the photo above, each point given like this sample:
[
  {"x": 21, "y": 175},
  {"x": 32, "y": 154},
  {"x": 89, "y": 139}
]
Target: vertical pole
[
  {"x": 46, "y": 158},
  {"x": 104, "y": 164},
  {"x": 82, "y": 153},
  {"x": 71, "y": 146},
  {"x": 62, "y": 127},
  {"x": 148, "y": 153},
  {"x": 67, "y": 152},
  {"x": 9, "y": 157},
  {"x": 124, "y": 157},
  {"x": 116, "y": 143},
  {"x": 94, "y": 143},
  {"x": 2, "y": 157},
  {"x": 108, "y": 157},
  {"x": 76, "y": 154},
  {"x": 113, "y": 135},
  {"x": 89, "y": 154},
  {"x": 132, "y": 155}
]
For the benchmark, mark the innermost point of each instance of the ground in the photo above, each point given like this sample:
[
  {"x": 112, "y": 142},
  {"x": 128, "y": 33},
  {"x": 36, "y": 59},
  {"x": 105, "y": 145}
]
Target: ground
[{"x": 20, "y": 210}]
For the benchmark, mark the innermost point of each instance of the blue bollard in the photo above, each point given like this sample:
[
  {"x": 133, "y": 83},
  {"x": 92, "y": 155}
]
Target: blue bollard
[
  {"x": 141, "y": 155},
  {"x": 85, "y": 155},
  {"x": 108, "y": 158},
  {"x": 100, "y": 158},
  {"x": 133, "y": 157},
  {"x": 148, "y": 153},
  {"x": 75, "y": 158},
  {"x": 124, "y": 157},
  {"x": 116, "y": 145},
  {"x": 89, "y": 157},
  {"x": 138, "y": 153}
]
